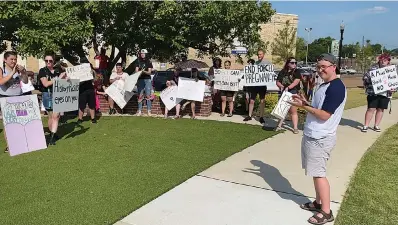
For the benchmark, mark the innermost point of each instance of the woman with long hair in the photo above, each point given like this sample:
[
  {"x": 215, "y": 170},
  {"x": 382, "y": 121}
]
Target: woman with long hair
[
  {"x": 11, "y": 74},
  {"x": 144, "y": 83},
  {"x": 289, "y": 80},
  {"x": 217, "y": 64},
  {"x": 46, "y": 77},
  {"x": 227, "y": 95}
]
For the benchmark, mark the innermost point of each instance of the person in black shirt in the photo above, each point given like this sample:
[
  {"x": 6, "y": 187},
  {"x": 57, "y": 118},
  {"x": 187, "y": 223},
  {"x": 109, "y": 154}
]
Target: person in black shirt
[
  {"x": 144, "y": 83},
  {"x": 87, "y": 97},
  {"x": 289, "y": 80},
  {"x": 46, "y": 78}
]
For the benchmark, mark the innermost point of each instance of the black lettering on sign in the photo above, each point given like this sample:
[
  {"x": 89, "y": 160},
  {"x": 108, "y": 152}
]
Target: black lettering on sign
[{"x": 250, "y": 69}]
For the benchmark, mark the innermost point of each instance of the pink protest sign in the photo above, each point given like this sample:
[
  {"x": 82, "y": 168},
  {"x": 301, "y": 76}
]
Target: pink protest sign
[{"x": 22, "y": 124}]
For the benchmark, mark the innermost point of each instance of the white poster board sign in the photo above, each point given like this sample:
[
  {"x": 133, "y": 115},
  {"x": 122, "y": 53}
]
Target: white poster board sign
[
  {"x": 379, "y": 80},
  {"x": 190, "y": 89},
  {"x": 65, "y": 95},
  {"x": 169, "y": 97},
  {"x": 241, "y": 80},
  {"x": 282, "y": 108},
  {"x": 391, "y": 72},
  {"x": 226, "y": 80},
  {"x": 118, "y": 94},
  {"x": 131, "y": 81},
  {"x": 261, "y": 75},
  {"x": 81, "y": 72}
]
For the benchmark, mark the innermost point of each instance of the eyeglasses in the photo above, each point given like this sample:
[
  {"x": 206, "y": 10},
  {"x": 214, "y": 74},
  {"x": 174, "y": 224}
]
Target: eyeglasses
[
  {"x": 323, "y": 67},
  {"x": 48, "y": 61},
  {"x": 293, "y": 62}
]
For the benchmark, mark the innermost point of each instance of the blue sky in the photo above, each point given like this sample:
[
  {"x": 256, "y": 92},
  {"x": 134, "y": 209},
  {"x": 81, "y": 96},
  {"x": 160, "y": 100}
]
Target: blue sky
[{"x": 376, "y": 20}]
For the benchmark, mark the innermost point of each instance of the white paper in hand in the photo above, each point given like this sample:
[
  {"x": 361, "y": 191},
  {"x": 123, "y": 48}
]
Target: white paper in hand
[
  {"x": 282, "y": 108},
  {"x": 169, "y": 97}
]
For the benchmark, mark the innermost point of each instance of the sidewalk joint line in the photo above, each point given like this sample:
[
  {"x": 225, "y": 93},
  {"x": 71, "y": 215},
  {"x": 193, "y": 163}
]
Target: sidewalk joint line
[{"x": 268, "y": 189}]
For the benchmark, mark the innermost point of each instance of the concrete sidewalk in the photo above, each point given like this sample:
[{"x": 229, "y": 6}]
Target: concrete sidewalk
[{"x": 262, "y": 184}]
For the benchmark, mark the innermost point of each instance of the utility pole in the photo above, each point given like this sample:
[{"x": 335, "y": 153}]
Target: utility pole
[
  {"x": 363, "y": 54},
  {"x": 308, "y": 42}
]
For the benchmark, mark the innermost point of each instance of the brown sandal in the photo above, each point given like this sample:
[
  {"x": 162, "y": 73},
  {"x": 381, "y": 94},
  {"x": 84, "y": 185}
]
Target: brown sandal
[
  {"x": 322, "y": 220},
  {"x": 307, "y": 206}
]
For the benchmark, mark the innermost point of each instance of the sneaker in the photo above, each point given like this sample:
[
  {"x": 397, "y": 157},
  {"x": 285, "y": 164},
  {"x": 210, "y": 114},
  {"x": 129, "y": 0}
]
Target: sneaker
[
  {"x": 79, "y": 121},
  {"x": 247, "y": 118},
  {"x": 139, "y": 113},
  {"x": 222, "y": 114},
  {"x": 377, "y": 129},
  {"x": 110, "y": 111},
  {"x": 6, "y": 150},
  {"x": 262, "y": 120},
  {"x": 93, "y": 121},
  {"x": 364, "y": 129},
  {"x": 230, "y": 115},
  {"x": 149, "y": 113}
]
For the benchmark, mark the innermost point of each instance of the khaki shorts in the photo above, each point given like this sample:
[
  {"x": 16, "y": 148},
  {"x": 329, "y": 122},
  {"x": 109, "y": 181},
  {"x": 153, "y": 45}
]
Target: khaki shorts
[{"x": 315, "y": 153}]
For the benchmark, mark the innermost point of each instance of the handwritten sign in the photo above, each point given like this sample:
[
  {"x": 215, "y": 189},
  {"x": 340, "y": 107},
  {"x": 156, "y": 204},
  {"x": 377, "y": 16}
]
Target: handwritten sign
[
  {"x": 65, "y": 95},
  {"x": 259, "y": 75},
  {"x": 189, "y": 89},
  {"x": 384, "y": 79},
  {"x": 82, "y": 72},
  {"x": 118, "y": 94},
  {"x": 282, "y": 108},
  {"x": 131, "y": 81},
  {"x": 22, "y": 123},
  {"x": 226, "y": 80},
  {"x": 169, "y": 97}
]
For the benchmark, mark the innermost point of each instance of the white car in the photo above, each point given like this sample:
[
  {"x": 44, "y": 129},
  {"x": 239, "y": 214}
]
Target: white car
[{"x": 351, "y": 71}]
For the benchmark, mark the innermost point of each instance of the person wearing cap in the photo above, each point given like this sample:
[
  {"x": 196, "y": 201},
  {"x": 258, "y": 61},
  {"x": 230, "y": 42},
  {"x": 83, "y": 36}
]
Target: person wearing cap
[
  {"x": 376, "y": 102},
  {"x": 144, "y": 84},
  {"x": 323, "y": 118}
]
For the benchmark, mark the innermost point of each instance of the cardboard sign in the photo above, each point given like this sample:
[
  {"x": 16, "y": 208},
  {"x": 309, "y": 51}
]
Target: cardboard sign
[
  {"x": 22, "y": 123},
  {"x": 226, "y": 80},
  {"x": 118, "y": 94},
  {"x": 81, "y": 72},
  {"x": 379, "y": 80},
  {"x": 131, "y": 81},
  {"x": 391, "y": 73},
  {"x": 189, "y": 89},
  {"x": 259, "y": 75},
  {"x": 169, "y": 97},
  {"x": 282, "y": 108},
  {"x": 65, "y": 95}
]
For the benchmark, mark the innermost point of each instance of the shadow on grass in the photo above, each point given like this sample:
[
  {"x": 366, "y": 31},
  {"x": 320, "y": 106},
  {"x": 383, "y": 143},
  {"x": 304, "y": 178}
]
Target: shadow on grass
[{"x": 277, "y": 182}]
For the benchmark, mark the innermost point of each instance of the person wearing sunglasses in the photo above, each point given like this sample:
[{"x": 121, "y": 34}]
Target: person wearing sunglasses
[
  {"x": 376, "y": 102},
  {"x": 289, "y": 80},
  {"x": 323, "y": 117},
  {"x": 46, "y": 78}
]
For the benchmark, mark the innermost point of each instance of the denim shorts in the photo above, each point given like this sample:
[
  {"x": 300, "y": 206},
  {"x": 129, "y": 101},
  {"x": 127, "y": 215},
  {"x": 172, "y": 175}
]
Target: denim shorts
[{"x": 47, "y": 99}]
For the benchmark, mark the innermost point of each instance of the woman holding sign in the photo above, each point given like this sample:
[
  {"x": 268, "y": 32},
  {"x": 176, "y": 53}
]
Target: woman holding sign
[
  {"x": 10, "y": 76},
  {"x": 289, "y": 80},
  {"x": 46, "y": 78},
  {"x": 227, "y": 95},
  {"x": 376, "y": 102}
]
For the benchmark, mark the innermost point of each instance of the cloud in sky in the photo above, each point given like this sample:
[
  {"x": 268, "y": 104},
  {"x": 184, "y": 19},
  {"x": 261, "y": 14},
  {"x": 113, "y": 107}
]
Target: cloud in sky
[{"x": 356, "y": 14}]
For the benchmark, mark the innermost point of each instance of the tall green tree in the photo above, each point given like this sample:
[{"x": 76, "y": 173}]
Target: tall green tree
[
  {"x": 284, "y": 44},
  {"x": 319, "y": 46},
  {"x": 365, "y": 55},
  {"x": 301, "y": 49},
  {"x": 167, "y": 29}
]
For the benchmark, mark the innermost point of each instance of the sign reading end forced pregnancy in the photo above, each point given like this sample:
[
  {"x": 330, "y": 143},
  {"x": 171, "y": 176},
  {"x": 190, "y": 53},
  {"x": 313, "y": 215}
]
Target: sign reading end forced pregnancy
[
  {"x": 260, "y": 75},
  {"x": 384, "y": 79}
]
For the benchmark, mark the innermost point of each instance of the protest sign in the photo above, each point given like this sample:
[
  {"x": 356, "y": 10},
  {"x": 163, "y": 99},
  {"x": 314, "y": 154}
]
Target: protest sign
[
  {"x": 241, "y": 80},
  {"x": 65, "y": 95},
  {"x": 118, "y": 94},
  {"x": 391, "y": 73},
  {"x": 169, "y": 97},
  {"x": 261, "y": 75},
  {"x": 379, "y": 80},
  {"x": 282, "y": 108},
  {"x": 22, "y": 123},
  {"x": 81, "y": 72},
  {"x": 189, "y": 89},
  {"x": 131, "y": 81},
  {"x": 226, "y": 80}
]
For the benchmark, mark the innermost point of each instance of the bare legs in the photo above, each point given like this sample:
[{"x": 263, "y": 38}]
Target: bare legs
[
  {"x": 293, "y": 113},
  {"x": 53, "y": 120},
  {"x": 322, "y": 189},
  {"x": 369, "y": 115}
]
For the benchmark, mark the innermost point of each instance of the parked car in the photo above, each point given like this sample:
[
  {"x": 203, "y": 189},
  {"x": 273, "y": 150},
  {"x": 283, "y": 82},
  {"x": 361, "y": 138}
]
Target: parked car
[{"x": 351, "y": 71}]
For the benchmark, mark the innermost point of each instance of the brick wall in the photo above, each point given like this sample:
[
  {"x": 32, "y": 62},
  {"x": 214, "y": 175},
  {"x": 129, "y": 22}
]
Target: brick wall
[{"x": 202, "y": 108}]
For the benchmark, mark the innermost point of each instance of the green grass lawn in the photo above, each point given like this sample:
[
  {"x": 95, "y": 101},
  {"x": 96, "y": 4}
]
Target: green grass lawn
[
  {"x": 356, "y": 97},
  {"x": 371, "y": 198},
  {"x": 99, "y": 173}
]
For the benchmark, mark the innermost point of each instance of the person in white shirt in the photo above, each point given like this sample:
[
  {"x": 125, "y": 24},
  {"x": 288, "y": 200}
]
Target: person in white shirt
[
  {"x": 118, "y": 76},
  {"x": 323, "y": 118}
]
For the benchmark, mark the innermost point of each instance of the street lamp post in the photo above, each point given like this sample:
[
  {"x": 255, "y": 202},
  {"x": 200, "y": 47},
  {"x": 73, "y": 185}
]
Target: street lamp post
[
  {"x": 308, "y": 41},
  {"x": 340, "y": 44}
]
